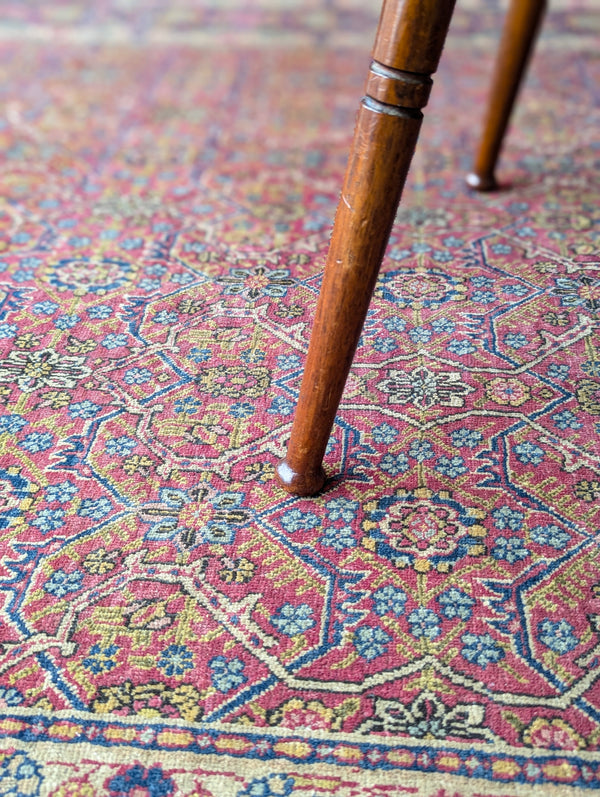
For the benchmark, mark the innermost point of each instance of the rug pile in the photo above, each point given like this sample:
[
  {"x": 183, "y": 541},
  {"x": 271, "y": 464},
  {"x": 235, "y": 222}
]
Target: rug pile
[{"x": 171, "y": 622}]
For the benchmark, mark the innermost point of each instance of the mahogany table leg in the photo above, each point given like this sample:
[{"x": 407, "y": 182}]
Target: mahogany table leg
[
  {"x": 518, "y": 37},
  {"x": 407, "y": 49}
]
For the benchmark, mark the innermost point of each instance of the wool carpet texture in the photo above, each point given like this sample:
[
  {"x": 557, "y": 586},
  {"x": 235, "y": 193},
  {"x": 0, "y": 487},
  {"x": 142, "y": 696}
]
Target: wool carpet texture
[{"x": 172, "y": 623}]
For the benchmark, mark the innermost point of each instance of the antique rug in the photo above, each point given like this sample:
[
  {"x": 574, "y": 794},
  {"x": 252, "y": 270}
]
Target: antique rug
[{"x": 171, "y": 622}]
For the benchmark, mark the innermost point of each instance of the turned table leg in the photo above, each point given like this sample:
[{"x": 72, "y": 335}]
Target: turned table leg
[
  {"x": 407, "y": 49},
  {"x": 518, "y": 36}
]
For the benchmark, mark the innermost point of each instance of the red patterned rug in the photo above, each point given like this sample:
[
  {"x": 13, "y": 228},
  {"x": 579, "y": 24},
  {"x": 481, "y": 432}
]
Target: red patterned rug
[{"x": 172, "y": 623}]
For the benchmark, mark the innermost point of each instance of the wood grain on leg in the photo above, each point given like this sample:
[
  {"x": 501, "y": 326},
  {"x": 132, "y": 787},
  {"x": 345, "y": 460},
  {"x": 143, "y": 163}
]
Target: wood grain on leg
[
  {"x": 408, "y": 46},
  {"x": 518, "y": 36}
]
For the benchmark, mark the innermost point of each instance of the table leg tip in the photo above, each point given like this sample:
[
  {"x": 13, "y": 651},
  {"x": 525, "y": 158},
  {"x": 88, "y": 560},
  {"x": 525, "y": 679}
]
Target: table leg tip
[
  {"x": 301, "y": 484},
  {"x": 480, "y": 182}
]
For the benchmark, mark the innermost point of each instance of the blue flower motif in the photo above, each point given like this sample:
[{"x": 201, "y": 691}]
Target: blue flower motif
[
  {"x": 342, "y": 509},
  {"x": 515, "y": 289},
  {"x": 66, "y": 224},
  {"x": 175, "y": 660},
  {"x": 338, "y": 538},
  {"x": 109, "y": 235},
  {"x": 452, "y": 240},
  {"x": 384, "y": 433},
  {"x": 67, "y": 321},
  {"x": 509, "y": 549},
  {"x": 559, "y": 636},
  {"x": 137, "y": 780},
  {"x": 44, "y": 308},
  {"x": 194, "y": 246},
  {"x": 529, "y": 453},
  {"x": 399, "y": 254},
  {"x": 389, "y": 599},
  {"x": 61, "y": 583},
  {"x": 114, "y": 341},
  {"x": 94, "y": 508},
  {"x": 132, "y": 243},
  {"x": 451, "y": 467},
  {"x": 12, "y": 423},
  {"x": 62, "y": 492},
  {"x": 149, "y": 285},
  {"x": 481, "y": 649},
  {"x": 36, "y": 442},
  {"x": 370, "y": 642},
  {"x": 120, "y": 446},
  {"x": 9, "y": 696},
  {"x": 566, "y": 420},
  {"x": 442, "y": 256},
  {"x": 227, "y": 674},
  {"x": 137, "y": 376},
  {"x": 384, "y": 345},
  {"x": 23, "y": 275},
  {"x": 394, "y": 464},
  {"x": 443, "y": 325},
  {"x": 421, "y": 450},
  {"x": 461, "y": 347},
  {"x": 281, "y": 405},
  {"x": 515, "y": 340},
  {"x": 188, "y": 405},
  {"x": 551, "y": 535},
  {"x": 424, "y": 623},
  {"x": 466, "y": 438},
  {"x": 507, "y": 518},
  {"x": 166, "y": 317},
  {"x": 558, "y": 372},
  {"x": 100, "y": 311},
  {"x": 394, "y": 324},
  {"x": 288, "y": 362},
  {"x": 420, "y": 334},
  {"x": 271, "y": 786},
  {"x": 525, "y": 232},
  {"x": 84, "y": 409},
  {"x": 49, "y": 520},
  {"x": 241, "y": 409},
  {"x": 456, "y": 604},
  {"x": 101, "y": 659},
  {"x": 296, "y": 520},
  {"x": 481, "y": 282},
  {"x": 483, "y": 297},
  {"x": 181, "y": 278},
  {"x": 421, "y": 248},
  {"x": 79, "y": 240},
  {"x": 293, "y": 620},
  {"x": 8, "y": 331}
]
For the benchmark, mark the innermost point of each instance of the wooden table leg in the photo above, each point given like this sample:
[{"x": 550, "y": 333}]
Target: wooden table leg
[
  {"x": 407, "y": 50},
  {"x": 518, "y": 36}
]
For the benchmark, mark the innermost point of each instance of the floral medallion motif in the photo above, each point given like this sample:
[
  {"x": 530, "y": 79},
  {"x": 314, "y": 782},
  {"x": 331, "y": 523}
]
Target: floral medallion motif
[
  {"x": 425, "y": 388},
  {"x": 32, "y": 370},
  {"x": 588, "y": 395},
  {"x": 507, "y": 391},
  {"x": 582, "y": 291},
  {"x": 89, "y": 275},
  {"x": 427, "y": 717},
  {"x": 420, "y": 289},
  {"x": 424, "y": 530}
]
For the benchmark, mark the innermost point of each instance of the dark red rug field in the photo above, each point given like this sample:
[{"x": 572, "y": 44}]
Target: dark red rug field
[{"x": 172, "y": 623}]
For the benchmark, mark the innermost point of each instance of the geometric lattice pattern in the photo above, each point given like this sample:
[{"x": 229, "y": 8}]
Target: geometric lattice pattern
[{"x": 171, "y": 623}]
